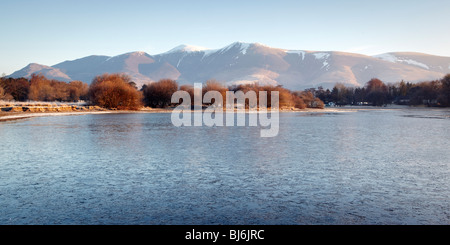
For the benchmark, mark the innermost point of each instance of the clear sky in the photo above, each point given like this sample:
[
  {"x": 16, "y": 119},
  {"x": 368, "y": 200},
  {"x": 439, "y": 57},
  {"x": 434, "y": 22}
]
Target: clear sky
[{"x": 51, "y": 31}]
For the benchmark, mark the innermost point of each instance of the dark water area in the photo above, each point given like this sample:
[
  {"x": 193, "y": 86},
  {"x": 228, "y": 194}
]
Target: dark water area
[{"x": 338, "y": 167}]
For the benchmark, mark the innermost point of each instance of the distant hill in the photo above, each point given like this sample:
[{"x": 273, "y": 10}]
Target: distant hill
[{"x": 240, "y": 63}]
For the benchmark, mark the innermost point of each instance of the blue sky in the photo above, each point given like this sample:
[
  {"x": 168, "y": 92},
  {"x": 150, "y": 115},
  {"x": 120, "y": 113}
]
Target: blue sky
[{"x": 50, "y": 31}]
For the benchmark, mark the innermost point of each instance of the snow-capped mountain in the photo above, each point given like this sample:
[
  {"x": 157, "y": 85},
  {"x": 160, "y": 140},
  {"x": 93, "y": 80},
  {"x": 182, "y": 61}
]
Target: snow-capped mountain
[
  {"x": 241, "y": 62},
  {"x": 186, "y": 48}
]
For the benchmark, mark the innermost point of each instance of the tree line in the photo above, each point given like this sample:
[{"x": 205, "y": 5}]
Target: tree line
[
  {"x": 377, "y": 93},
  {"x": 118, "y": 91},
  {"x": 159, "y": 94},
  {"x": 39, "y": 88}
]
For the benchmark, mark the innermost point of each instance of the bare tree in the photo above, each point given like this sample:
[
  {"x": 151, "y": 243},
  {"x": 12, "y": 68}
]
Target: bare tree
[
  {"x": 4, "y": 96},
  {"x": 113, "y": 91},
  {"x": 78, "y": 90},
  {"x": 214, "y": 85},
  {"x": 377, "y": 92},
  {"x": 159, "y": 94}
]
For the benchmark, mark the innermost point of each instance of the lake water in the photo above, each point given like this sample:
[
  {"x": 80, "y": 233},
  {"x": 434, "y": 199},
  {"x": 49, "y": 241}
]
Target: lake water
[{"x": 343, "y": 167}]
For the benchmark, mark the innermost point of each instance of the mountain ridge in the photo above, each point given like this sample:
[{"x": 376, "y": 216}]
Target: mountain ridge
[{"x": 242, "y": 62}]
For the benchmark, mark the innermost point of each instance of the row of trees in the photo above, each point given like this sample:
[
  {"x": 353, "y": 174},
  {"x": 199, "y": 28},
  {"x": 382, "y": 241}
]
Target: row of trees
[
  {"x": 159, "y": 94},
  {"x": 288, "y": 98},
  {"x": 377, "y": 93},
  {"x": 39, "y": 88},
  {"x": 14, "y": 89},
  {"x": 118, "y": 91}
]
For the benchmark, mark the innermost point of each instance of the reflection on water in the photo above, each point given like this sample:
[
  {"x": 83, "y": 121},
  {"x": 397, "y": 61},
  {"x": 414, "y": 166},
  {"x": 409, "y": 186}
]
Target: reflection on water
[{"x": 344, "y": 167}]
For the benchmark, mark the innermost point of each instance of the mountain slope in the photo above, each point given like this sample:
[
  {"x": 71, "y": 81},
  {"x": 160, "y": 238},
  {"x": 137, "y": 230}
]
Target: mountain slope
[
  {"x": 48, "y": 71},
  {"x": 424, "y": 61},
  {"x": 240, "y": 63}
]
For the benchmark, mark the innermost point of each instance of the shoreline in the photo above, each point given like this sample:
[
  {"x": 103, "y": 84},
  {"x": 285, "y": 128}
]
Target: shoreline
[
  {"x": 11, "y": 116},
  {"x": 17, "y": 115}
]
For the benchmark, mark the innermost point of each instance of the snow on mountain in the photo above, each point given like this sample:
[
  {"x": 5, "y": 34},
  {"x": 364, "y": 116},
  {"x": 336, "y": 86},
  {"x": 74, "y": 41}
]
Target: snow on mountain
[
  {"x": 243, "y": 47},
  {"x": 242, "y": 63},
  {"x": 392, "y": 58},
  {"x": 387, "y": 57},
  {"x": 186, "y": 48},
  {"x": 299, "y": 52},
  {"x": 424, "y": 61},
  {"x": 321, "y": 56}
]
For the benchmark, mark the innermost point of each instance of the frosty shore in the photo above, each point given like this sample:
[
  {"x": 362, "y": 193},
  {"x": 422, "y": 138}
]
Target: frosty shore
[{"x": 22, "y": 110}]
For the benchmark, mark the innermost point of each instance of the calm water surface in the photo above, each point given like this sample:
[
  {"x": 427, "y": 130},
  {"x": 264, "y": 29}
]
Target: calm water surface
[{"x": 345, "y": 167}]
